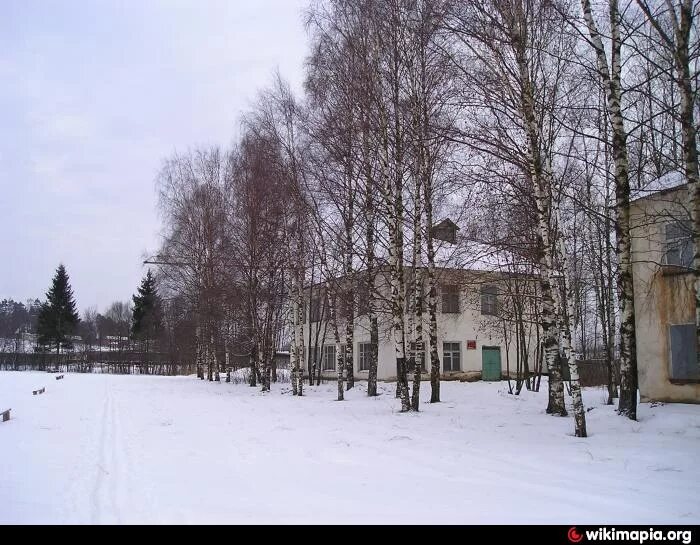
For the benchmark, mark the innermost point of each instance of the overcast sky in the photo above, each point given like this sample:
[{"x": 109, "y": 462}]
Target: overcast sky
[{"x": 94, "y": 94}]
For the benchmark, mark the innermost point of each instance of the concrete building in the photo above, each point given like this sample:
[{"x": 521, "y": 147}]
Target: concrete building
[
  {"x": 662, "y": 254},
  {"x": 478, "y": 333}
]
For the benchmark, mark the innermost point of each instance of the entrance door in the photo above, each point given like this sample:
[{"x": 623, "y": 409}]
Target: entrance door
[{"x": 491, "y": 364}]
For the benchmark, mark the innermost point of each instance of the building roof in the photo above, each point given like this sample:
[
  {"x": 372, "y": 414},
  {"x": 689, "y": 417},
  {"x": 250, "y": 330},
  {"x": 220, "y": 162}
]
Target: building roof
[
  {"x": 463, "y": 254},
  {"x": 668, "y": 182},
  {"x": 446, "y": 222},
  {"x": 472, "y": 255}
]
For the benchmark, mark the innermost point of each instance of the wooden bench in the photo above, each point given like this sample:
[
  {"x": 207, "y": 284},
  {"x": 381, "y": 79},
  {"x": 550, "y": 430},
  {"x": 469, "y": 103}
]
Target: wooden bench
[
  {"x": 59, "y": 377},
  {"x": 37, "y": 392},
  {"x": 5, "y": 415}
]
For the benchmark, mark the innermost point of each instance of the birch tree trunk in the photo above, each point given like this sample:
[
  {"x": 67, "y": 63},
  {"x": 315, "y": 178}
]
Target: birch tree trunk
[
  {"x": 299, "y": 331},
  {"x": 432, "y": 300},
  {"x": 397, "y": 292},
  {"x": 611, "y": 318},
  {"x": 610, "y": 76},
  {"x": 396, "y": 216},
  {"x": 252, "y": 381},
  {"x": 392, "y": 191},
  {"x": 296, "y": 295},
  {"x": 567, "y": 329},
  {"x": 548, "y": 315},
  {"x": 199, "y": 356},
  {"x": 227, "y": 351},
  {"x": 428, "y": 78},
  {"x": 349, "y": 301},
  {"x": 210, "y": 367},
  {"x": 264, "y": 365},
  {"x": 542, "y": 185},
  {"x": 419, "y": 343},
  {"x": 294, "y": 353},
  {"x": 339, "y": 356},
  {"x": 215, "y": 360},
  {"x": 370, "y": 237},
  {"x": 394, "y": 194},
  {"x": 348, "y": 293},
  {"x": 417, "y": 292}
]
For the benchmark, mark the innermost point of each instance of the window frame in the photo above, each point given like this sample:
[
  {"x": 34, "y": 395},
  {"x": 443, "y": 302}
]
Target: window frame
[
  {"x": 691, "y": 375},
  {"x": 680, "y": 242},
  {"x": 489, "y": 300},
  {"x": 362, "y": 355},
  {"x": 450, "y": 291},
  {"x": 334, "y": 360},
  {"x": 452, "y": 352},
  {"x": 318, "y": 308}
]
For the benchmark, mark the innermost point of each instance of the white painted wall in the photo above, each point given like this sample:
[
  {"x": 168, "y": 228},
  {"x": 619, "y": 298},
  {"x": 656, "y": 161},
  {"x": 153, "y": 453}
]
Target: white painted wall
[{"x": 468, "y": 325}]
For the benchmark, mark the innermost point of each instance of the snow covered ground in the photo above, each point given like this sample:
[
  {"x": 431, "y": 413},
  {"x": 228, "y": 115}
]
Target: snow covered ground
[{"x": 133, "y": 449}]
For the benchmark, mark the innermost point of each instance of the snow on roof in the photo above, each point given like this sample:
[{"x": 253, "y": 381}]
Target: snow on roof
[
  {"x": 467, "y": 254},
  {"x": 476, "y": 256},
  {"x": 445, "y": 222},
  {"x": 668, "y": 181}
]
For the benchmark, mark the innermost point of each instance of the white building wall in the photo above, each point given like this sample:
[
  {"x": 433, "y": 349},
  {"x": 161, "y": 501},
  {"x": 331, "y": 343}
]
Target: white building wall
[{"x": 468, "y": 325}]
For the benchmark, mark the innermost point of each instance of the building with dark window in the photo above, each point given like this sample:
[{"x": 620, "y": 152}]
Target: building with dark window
[
  {"x": 478, "y": 331},
  {"x": 664, "y": 294}
]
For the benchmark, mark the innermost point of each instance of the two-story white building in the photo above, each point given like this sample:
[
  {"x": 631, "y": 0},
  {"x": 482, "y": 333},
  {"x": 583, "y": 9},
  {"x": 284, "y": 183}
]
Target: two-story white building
[{"x": 479, "y": 334}]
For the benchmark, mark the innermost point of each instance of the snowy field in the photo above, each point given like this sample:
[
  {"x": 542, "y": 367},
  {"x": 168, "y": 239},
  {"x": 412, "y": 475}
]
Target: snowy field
[{"x": 126, "y": 449}]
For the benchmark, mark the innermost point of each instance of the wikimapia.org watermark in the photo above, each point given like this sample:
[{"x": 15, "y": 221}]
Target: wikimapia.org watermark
[{"x": 637, "y": 536}]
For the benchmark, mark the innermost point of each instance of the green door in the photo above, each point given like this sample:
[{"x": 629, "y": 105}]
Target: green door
[{"x": 491, "y": 369}]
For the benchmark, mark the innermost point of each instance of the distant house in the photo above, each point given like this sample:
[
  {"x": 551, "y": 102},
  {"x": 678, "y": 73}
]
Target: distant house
[
  {"x": 664, "y": 297},
  {"x": 446, "y": 230},
  {"x": 114, "y": 342},
  {"x": 477, "y": 335}
]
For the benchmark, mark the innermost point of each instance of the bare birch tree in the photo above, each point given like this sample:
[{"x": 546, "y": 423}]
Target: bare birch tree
[{"x": 610, "y": 73}]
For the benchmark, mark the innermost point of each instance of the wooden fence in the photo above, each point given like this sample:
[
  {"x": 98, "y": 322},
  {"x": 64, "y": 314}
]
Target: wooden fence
[
  {"x": 118, "y": 363},
  {"x": 591, "y": 372}
]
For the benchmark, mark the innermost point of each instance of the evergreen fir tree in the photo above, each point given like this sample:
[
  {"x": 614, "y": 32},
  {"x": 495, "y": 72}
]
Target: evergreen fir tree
[
  {"x": 58, "y": 317},
  {"x": 147, "y": 322}
]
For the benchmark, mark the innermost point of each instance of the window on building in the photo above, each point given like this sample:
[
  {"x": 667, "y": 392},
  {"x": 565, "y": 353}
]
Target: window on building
[
  {"x": 679, "y": 244},
  {"x": 362, "y": 306},
  {"x": 451, "y": 357},
  {"x": 364, "y": 356},
  {"x": 345, "y": 297},
  {"x": 362, "y": 298},
  {"x": 489, "y": 300},
  {"x": 329, "y": 357},
  {"x": 684, "y": 356},
  {"x": 450, "y": 299},
  {"x": 318, "y": 310}
]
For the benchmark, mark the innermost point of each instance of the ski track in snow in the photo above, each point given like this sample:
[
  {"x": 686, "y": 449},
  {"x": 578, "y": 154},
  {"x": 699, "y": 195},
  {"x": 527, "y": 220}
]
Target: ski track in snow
[
  {"x": 105, "y": 449},
  {"x": 113, "y": 490},
  {"x": 109, "y": 474}
]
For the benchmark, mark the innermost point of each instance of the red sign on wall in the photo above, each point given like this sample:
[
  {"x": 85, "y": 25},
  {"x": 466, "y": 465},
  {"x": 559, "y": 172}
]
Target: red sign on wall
[{"x": 471, "y": 345}]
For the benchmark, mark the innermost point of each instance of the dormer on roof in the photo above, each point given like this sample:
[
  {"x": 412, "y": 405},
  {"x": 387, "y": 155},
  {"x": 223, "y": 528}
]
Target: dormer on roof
[{"x": 446, "y": 231}]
